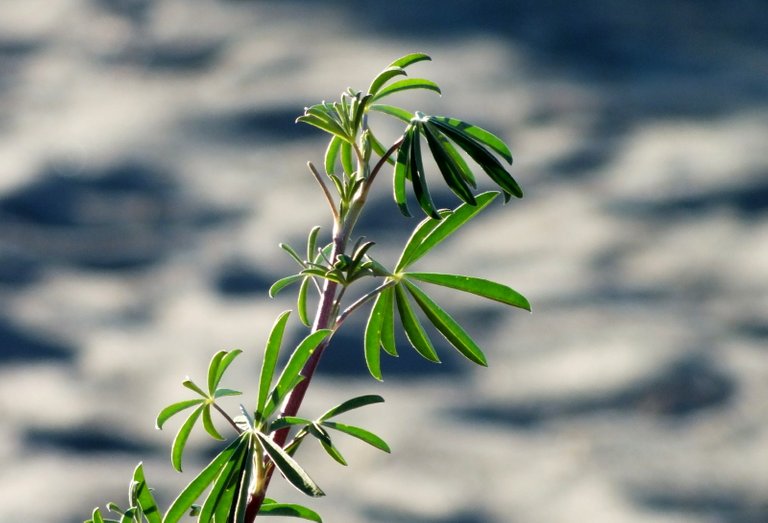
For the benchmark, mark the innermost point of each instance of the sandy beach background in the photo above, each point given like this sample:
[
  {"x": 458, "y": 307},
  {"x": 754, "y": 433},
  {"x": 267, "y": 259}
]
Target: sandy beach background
[{"x": 149, "y": 166}]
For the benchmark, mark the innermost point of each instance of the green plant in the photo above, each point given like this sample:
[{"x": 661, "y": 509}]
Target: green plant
[{"x": 266, "y": 437}]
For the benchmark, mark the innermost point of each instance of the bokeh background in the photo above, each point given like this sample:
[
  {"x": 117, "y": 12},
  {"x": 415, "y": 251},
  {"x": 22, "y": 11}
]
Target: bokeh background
[{"x": 149, "y": 165}]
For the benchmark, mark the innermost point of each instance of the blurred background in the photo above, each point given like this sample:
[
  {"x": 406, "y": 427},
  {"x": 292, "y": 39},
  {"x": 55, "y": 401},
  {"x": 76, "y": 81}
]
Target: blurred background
[{"x": 149, "y": 166}]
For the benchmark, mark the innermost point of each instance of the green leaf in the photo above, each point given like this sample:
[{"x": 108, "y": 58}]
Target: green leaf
[
  {"x": 385, "y": 76},
  {"x": 388, "y": 322},
  {"x": 197, "y": 486},
  {"x": 361, "y": 434},
  {"x": 288, "y": 467},
  {"x": 226, "y": 361},
  {"x": 325, "y": 440},
  {"x": 288, "y": 421},
  {"x": 97, "y": 518},
  {"x": 372, "y": 340},
  {"x": 447, "y": 326},
  {"x": 402, "y": 170},
  {"x": 485, "y": 288},
  {"x": 172, "y": 410},
  {"x": 289, "y": 378},
  {"x": 191, "y": 385},
  {"x": 448, "y": 168},
  {"x": 391, "y": 110},
  {"x": 290, "y": 510},
  {"x": 144, "y": 497},
  {"x": 312, "y": 242},
  {"x": 293, "y": 254},
  {"x": 347, "y": 162},
  {"x": 216, "y": 500},
  {"x": 418, "y": 179},
  {"x": 208, "y": 425},
  {"x": 481, "y": 135},
  {"x": 282, "y": 283},
  {"x": 331, "y": 154},
  {"x": 180, "y": 441},
  {"x": 301, "y": 302},
  {"x": 325, "y": 274},
  {"x": 269, "y": 362},
  {"x": 413, "y": 330},
  {"x": 220, "y": 393},
  {"x": 409, "y": 83},
  {"x": 409, "y": 59},
  {"x": 213, "y": 368},
  {"x": 428, "y": 235},
  {"x": 246, "y": 475},
  {"x": 484, "y": 159},
  {"x": 354, "y": 403}
]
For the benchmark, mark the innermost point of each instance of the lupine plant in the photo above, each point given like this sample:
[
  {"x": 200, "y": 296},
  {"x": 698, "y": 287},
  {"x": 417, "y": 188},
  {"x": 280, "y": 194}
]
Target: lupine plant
[{"x": 266, "y": 432}]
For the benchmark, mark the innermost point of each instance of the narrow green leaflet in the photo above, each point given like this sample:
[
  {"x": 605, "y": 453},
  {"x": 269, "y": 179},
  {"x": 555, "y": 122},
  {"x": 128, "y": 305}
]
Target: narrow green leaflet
[
  {"x": 331, "y": 154},
  {"x": 197, "y": 486},
  {"x": 272, "y": 508},
  {"x": 457, "y": 158},
  {"x": 385, "y": 76},
  {"x": 325, "y": 440},
  {"x": 447, "y": 326},
  {"x": 282, "y": 283},
  {"x": 431, "y": 233},
  {"x": 482, "y": 157},
  {"x": 351, "y": 404},
  {"x": 291, "y": 376},
  {"x": 402, "y": 170},
  {"x": 485, "y": 288},
  {"x": 326, "y": 125},
  {"x": 448, "y": 168},
  {"x": 221, "y": 368},
  {"x": 481, "y": 135},
  {"x": 301, "y": 302},
  {"x": 391, "y": 110},
  {"x": 208, "y": 425},
  {"x": 96, "y": 517},
  {"x": 143, "y": 495},
  {"x": 409, "y": 59},
  {"x": 409, "y": 83},
  {"x": 269, "y": 362},
  {"x": 244, "y": 487},
  {"x": 191, "y": 385},
  {"x": 216, "y": 499},
  {"x": 292, "y": 253},
  {"x": 347, "y": 163},
  {"x": 174, "y": 409},
  {"x": 413, "y": 330},
  {"x": 372, "y": 340},
  {"x": 213, "y": 368},
  {"x": 419, "y": 180},
  {"x": 388, "y": 322},
  {"x": 361, "y": 434},
  {"x": 180, "y": 441},
  {"x": 288, "y": 467}
]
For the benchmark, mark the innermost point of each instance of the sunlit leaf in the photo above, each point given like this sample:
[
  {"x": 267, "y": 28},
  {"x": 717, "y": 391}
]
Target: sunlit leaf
[
  {"x": 191, "y": 385},
  {"x": 208, "y": 425},
  {"x": 392, "y": 110},
  {"x": 408, "y": 83},
  {"x": 331, "y": 155},
  {"x": 481, "y": 135},
  {"x": 301, "y": 302},
  {"x": 385, "y": 76},
  {"x": 290, "y": 510},
  {"x": 197, "y": 486},
  {"x": 282, "y": 283},
  {"x": 402, "y": 170},
  {"x": 388, "y": 322},
  {"x": 226, "y": 361},
  {"x": 409, "y": 59},
  {"x": 245, "y": 480},
  {"x": 419, "y": 180},
  {"x": 485, "y": 288},
  {"x": 292, "y": 253},
  {"x": 448, "y": 168},
  {"x": 361, "y": 434},
  {"x": 269, "y": 362},
  {"x": 220, "y": 393},
  {"x": 325, "y": 440},
  {"x": 292, "y": 369},
  {"x": 372, "y": 339},
  {"x": 216, "y": 502},
  {"x": 180, "y": 441},
  {"x": 413, "y": 330},
  {"x": 213, "y": 368},
  {"x": 347, "y": 162},
  {"x": 447, "y": 326},
  {"x": 144, "y": 497},
  {"x": 172, "y": 410},
  {"x": 428, "y": 235},
  {"x": 288, "y": 467},
  {"x": 351, "y": 404}
]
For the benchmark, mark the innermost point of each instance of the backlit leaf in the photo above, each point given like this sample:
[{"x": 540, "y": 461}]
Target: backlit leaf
[
  {"x": 180, "y": 441},
  {"x": 174, "y": 409},
  {"x": 408, "y": 83},
  {"x": 354, "y": 403},
  {"x": 282, "y": 283},
  {"x": 269, "y": 362},
  {"x": 485, "y": 288},
  {"x": 290, "y": 510},
  {"x": 481, "y": 135},
  {"x": 402, "y": 170},
  {"x": 288, "y": 467},
  {"x": 413, "y": 330},
  {"x": 361, "y": 434},
  {"x": 409, "y": 59}
]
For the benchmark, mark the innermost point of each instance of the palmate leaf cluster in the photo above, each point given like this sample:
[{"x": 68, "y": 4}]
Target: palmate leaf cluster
[{"x": 265, "y": 437}]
